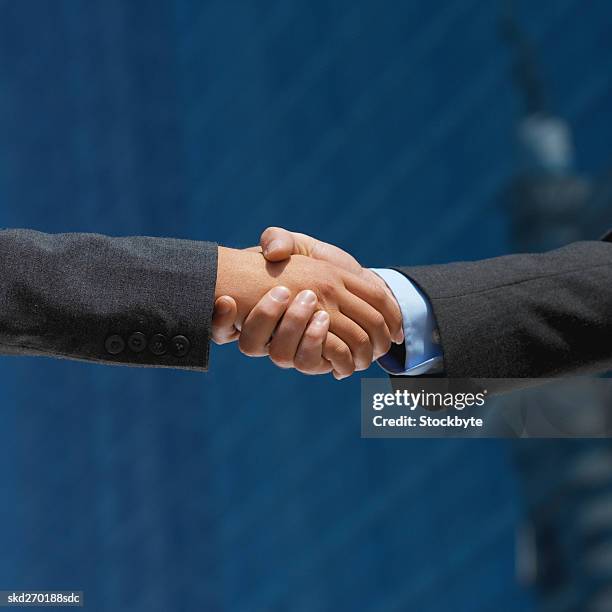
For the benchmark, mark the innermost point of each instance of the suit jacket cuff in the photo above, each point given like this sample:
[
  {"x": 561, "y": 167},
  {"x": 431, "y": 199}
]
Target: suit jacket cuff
[{"x": 136, "y": 301}]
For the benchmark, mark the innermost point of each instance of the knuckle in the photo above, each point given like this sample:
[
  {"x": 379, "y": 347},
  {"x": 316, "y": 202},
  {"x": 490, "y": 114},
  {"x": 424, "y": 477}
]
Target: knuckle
[
  {"x": 326, "y": 287},
  {"x": 248, "y": 348},
  {"x": 268, "y": 309},
  {"x": 385, "y": 346},
  {"x": 244, "y": 346},
  {"x": 281, "y": 363},
  {"x": 379, "y": 293},
  {"x": 363, "y": 352},
  {"x": 268, "y": 233},
  {"x": 378, "y": 321},
  {"x": 302, "y": 362},
  {"x": 248, "y": 352},
  {"x": 295, "y": 317},
  {"x": 382, "y": 342},
  {"x": 312, "y": 335},
  {"x": 362, "y": 342},
  {"x": 279, "y": 357},
  {"x": 341, "y": 352},
  {"x": 346, "y": 369}
]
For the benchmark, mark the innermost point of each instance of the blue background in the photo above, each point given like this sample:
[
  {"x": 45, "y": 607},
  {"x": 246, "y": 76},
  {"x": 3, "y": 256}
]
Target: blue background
[{"x": 386, "y": 128}]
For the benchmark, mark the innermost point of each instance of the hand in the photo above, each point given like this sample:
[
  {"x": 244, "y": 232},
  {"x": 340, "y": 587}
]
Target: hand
[
  {"x": 354, "y": 306},
  {"x": 277, "y": 326},
  {"x": 278, "y": 244},
  {"x": 315, "y": 353}
]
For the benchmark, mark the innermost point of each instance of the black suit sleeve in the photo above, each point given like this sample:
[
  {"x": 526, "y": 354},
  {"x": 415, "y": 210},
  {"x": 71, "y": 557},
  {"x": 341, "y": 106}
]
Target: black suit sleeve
[
  {"x": 134, "y": 301},
  {"x": 524, "y": 316}
]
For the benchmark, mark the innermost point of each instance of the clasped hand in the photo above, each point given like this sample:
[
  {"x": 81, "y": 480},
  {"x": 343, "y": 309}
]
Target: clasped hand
[{"x": 304, "y": 303}]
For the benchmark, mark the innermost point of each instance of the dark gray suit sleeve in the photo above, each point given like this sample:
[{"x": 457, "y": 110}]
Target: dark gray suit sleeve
[
  {"x": 524, "y": 316},
  {"x": 136, "y": 301}
]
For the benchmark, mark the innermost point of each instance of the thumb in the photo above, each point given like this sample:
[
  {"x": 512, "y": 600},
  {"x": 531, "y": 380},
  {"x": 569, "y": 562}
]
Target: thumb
[
  {"x": 224, "y": 318},
  {"x": 278, "y": 244}
]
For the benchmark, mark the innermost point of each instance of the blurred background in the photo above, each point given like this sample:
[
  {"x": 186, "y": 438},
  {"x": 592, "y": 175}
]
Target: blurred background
[{"x": 405, "y": 132}]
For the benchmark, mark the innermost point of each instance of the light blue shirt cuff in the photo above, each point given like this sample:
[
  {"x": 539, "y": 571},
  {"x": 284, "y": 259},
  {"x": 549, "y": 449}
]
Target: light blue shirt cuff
[{"x": 421, "y": 338}]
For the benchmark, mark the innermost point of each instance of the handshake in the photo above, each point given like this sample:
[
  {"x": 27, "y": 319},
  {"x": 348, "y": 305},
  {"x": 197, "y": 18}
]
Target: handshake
[{"x": 304, "y": 303}]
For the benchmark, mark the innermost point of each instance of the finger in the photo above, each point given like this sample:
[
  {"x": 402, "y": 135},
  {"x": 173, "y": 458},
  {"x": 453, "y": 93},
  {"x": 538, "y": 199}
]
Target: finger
[
  {"x": 339, "y": 355},
  {"x": 355, "y": 337},
  {"x": 290, "y": 330},
  {"x": 260, "y": 323},
  {"x": 278, "y": 244},
  {"x": 380, "y": 298},
  {"x": 223, "y": 320},
  {"x": 309, "y": 355},
  {"x": 368, "y": 319},
  {"x": 317, "y": 249}
]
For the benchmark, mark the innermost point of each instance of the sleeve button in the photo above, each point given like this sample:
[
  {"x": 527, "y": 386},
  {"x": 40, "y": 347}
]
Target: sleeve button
[
  {"x": 180, "y": 346},
  {"x": 114, "y": 344},
  {"x": 137, "y": 342},
  {"x": 158, "y": 344}
]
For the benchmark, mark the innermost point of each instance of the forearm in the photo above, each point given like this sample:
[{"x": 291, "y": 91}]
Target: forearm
[
  {"x": 524, "y": 316},
  {"x": 113, "y": 300}
]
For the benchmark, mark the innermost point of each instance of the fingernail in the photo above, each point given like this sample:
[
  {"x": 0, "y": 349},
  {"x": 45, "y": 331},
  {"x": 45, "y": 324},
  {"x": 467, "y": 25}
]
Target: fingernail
[
  {"x": 321, "y": 317},
  {"x": 223, "y": 307},
  {"x": 273, "y": 246},
  {"x": 399, "y": 338},
  {"x": 307, "y": 298},
  {"x": 280, "y": 294}
]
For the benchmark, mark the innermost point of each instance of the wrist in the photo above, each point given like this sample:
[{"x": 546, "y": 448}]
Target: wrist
[
  {"x": 377, "y": 280},
  {"x": 225, "y": 262},
  {"x": 242, "y": 275}
]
